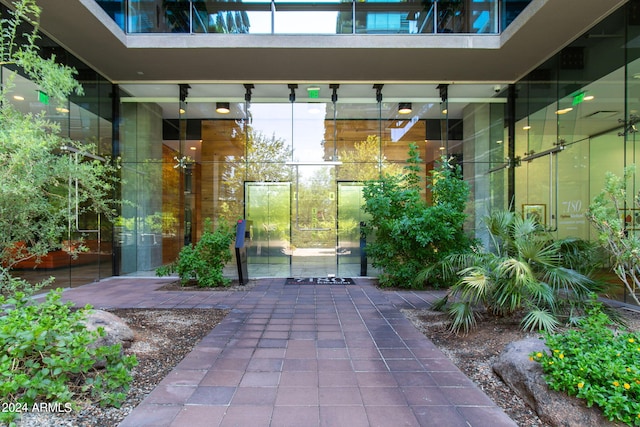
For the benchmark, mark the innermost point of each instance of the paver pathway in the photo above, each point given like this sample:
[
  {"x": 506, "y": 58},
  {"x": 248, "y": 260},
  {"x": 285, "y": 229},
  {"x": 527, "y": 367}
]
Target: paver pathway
[{"x": 303, "y": 356}]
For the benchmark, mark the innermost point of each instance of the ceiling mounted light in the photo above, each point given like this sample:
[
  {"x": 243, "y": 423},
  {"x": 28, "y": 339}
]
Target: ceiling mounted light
[
  {"x": 404, "y": 108},
  {"x": 222, "y": 108}
]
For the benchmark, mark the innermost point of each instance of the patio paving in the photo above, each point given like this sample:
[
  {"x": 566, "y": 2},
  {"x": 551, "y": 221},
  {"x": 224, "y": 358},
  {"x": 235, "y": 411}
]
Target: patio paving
[{"x": 304, "y": 356}]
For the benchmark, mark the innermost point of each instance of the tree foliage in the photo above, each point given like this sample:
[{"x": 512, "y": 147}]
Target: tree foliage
[
  {"x": 40, "y": 182},
  {"x": 264, "y": 161},
  {"x": 409, "y": 232},
  {"x": 605, "y": 214}
]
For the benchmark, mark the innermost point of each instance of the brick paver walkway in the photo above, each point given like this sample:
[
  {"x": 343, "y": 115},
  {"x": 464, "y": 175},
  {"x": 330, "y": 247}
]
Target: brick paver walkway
[{"x": 304, "y": 356}]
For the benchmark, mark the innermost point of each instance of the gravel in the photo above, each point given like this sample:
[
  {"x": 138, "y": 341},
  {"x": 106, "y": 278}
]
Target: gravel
[{"x": 155, "y": 331}]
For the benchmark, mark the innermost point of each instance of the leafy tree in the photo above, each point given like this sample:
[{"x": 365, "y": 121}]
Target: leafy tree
[
  {"x": 525, "y": 271},
  {"x": 604, "y": 214},
  {"x": 37, "y": 179},
  {"x": 45, "y": 346},
  {"x": 364, "y": 162},
  {"x": 264, "y": 161},
  {"x": 409, "y": 232}
]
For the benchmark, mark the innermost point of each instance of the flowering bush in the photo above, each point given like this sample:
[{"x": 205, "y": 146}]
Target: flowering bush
[{"x": 597, "y": 363}]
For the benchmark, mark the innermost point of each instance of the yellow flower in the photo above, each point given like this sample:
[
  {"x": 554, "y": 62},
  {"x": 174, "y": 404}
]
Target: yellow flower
[
  {"x": 538, "y": 354},
  {"x": 618, "y": 354},
  {"x": 580, "y": 385},
  {"x": 531, "y": 359},
  {"x": 616, "y": 383},
  {"x": 626, "y": 386},
  {"x": 551, "y": 362},
  {"x": 555, "y": 351},
  {"x": 561, "y": 356},
  {"x": 628, "y": 369},
  {"x": 632, "y": 340}
]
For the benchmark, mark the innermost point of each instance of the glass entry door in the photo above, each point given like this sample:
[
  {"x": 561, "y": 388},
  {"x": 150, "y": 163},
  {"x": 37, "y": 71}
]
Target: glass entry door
[
  {"x": 307, "y": 228},
  {"x": 268, "y": 215},
  {"x": 351, "y": 216},
  {"x": 313, "y": 237}
]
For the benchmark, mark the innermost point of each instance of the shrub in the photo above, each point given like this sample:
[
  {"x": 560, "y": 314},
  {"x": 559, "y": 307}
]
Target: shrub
[
  {"x": 526, "y": 271},
  {"x": 409, "y": 233},
  {"x": 45, "y": 356},
  {"x": 596, "y": 363},
  {"x": 204, "y": 262},
  {"x": 624, "y": 247}
]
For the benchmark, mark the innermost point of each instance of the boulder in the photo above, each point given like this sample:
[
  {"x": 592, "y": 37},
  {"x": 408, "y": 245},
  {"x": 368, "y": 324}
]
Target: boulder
[
  {"x": 116, "y": 331},
  {"x": 525, "y": 378}
]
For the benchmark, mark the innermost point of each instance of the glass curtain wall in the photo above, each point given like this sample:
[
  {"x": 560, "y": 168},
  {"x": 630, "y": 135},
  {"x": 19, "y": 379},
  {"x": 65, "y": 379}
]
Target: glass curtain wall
[
  {"x": 575, "y": 122},
  {"x": 290, "y": 159},
  {"x": 86, "y": 119}
]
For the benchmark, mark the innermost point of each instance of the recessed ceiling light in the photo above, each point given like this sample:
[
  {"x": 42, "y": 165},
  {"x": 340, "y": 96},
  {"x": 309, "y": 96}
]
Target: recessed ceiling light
[
  {"x": 18, "y": 97},
  {"x": 193, "y": 148},
  {"x": 564, "y": 111},
  {"x": 589, "y": 97},
  {"x": 527, "y": 127}
]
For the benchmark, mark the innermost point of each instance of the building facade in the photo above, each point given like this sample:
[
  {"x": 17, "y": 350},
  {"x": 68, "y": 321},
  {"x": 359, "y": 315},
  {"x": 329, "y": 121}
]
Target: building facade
[{"x": 278, "y": 112}]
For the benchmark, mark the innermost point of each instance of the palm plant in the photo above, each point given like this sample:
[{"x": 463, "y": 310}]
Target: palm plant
[{"x": 525, "y": 271}]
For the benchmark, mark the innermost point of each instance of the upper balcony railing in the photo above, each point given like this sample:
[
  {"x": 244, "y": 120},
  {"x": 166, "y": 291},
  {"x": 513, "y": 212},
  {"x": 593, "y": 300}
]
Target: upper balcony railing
[{"x": 314, "y": 17}]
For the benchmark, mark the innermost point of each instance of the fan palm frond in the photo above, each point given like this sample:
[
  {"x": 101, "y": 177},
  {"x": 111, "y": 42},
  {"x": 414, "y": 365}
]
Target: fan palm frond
[
  {"x": 540, "y": 294},
  {"x": 463, "y": 318},
  {"x": 538, "y": 252},
  {"x": 522, "y": 227},
  {"x": 515, "y": 269},
  {"x": 474, "y": 286},
  {"x": 440, "y": 303},
  {"x": 539, "y": 320},
  {"x": 570, "y": 281}
]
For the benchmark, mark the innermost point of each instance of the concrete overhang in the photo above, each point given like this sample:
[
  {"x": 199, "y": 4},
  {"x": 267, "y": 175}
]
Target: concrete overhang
[{"x": 543, "y": 28}]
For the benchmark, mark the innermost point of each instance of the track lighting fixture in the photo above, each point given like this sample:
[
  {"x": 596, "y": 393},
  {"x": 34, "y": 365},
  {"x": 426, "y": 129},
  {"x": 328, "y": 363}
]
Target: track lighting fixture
[
  {"x": 334, "y": 94},
  {"x": 378, "y": 88},
  {"x": 248, "y": 87},
  {"x": 292, "y": 95}
]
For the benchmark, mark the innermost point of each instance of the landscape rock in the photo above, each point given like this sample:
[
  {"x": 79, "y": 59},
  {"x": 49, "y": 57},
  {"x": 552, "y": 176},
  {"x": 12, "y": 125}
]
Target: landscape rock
[
  {"x": 525, "y": 378},
  {"x": 116, "y": 330}
]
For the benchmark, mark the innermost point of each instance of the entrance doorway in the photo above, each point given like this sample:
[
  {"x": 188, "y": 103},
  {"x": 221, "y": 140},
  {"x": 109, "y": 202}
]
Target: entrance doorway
[{"x": 310, "y": 227}]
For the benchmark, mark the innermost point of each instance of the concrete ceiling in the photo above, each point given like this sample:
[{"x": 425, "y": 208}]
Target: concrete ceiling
[{"x": 542, "y": 29}]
